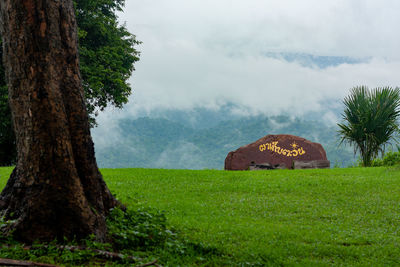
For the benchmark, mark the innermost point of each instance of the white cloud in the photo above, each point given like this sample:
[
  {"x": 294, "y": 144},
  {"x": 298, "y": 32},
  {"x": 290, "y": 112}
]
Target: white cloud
[
  {"x": 206, "y": 53},
  {"x": 330, "y": 27}
]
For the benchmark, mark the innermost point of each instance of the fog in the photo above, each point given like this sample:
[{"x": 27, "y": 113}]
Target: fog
[{"x": 208, "y": 53}]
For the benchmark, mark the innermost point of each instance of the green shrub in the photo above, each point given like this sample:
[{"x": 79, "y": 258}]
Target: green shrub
[
  {"x": 141, "y": 234},
  {"x": 391, "y": 158},
  {"x": 141, "y": 229}
]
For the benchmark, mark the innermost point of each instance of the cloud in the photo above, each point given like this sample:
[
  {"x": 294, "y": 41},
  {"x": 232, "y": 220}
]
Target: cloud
[
  {"x": 257, "y": 84},
  {"x": 332, "y": 27},
  {"x": 209, "y": 53}
]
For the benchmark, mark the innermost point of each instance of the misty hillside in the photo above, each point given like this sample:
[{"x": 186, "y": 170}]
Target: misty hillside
[{"x": 163, "y": 143}]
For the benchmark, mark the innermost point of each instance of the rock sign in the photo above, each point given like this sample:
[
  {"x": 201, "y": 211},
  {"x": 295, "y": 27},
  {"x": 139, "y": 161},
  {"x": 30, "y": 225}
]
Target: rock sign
[{"x": 275, "y": 151}]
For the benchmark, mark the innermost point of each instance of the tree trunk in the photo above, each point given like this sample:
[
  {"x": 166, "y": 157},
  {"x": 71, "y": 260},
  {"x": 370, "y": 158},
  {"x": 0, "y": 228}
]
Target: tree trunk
[{"x": 56, "y": 189}]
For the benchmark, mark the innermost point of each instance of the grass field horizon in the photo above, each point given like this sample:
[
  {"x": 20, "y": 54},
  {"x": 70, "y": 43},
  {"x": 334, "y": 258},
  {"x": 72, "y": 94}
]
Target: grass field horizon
[{"x": 344, "y": 216}]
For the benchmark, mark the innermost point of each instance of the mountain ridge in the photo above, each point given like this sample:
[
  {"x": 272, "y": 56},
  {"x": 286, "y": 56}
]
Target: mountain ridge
[{"x": 161, "y": 143}]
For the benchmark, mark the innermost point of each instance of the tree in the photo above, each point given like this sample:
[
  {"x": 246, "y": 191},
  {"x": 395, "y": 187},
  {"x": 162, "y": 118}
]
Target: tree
[
  {"x": 56, "y": 189},
  {"x": 370, "y": 120},
  {"x": 107, "y": 56}
]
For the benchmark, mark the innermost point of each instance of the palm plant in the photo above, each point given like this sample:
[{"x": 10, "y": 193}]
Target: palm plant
[{"x": 370, "y": 120}]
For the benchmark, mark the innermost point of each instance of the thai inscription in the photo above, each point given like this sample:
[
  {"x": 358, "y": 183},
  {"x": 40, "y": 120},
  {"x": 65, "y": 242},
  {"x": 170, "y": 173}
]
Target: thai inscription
[
  {"x": 273, "y": 146},
  {"x": 273, "y": 150}
]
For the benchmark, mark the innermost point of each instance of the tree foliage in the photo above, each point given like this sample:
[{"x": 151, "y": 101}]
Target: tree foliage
[
  {"x": 107, "y": 55},
  {"x": 370, "y": 120}
]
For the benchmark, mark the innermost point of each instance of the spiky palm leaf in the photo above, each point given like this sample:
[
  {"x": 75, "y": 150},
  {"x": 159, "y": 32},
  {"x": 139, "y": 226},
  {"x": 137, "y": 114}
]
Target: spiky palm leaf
[{"x": 370, "y": 120}]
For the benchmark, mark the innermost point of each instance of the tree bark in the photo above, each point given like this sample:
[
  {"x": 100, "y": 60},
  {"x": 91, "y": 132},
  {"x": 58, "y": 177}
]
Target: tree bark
[{"x": 56, "y": 189}]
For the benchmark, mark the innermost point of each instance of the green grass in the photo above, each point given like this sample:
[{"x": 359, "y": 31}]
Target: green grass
[{"x": 329, "y": 217}]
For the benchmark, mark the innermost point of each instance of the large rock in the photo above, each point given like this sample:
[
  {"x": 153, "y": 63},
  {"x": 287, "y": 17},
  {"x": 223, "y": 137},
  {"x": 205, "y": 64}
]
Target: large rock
[{"x": 275, "y": 151}]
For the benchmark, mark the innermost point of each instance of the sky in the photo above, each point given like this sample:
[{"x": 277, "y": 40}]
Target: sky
[{"x": 260, "y": 55}]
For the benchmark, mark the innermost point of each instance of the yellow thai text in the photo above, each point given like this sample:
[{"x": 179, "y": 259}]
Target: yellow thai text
[{"x": 273, "y": 146}]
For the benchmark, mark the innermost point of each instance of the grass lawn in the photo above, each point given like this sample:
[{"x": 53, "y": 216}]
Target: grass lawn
[{"x": 281, "y": 217}]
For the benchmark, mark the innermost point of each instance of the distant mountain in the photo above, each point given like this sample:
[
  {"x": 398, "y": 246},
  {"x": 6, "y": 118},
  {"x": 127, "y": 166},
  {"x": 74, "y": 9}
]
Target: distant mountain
[
  {"x": 163, "y": 143},
  {"x": 309, "y": 60},
  {"x": 203, "y": 118}
]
